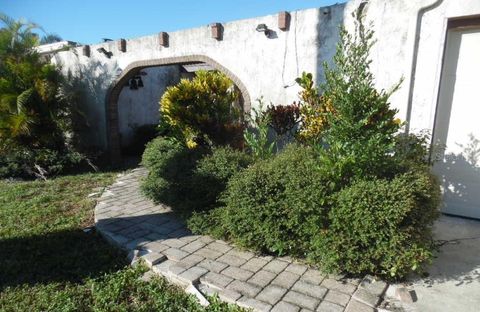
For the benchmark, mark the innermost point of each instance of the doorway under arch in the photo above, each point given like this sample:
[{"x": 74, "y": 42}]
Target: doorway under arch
[{"x": 112, "y": 116}]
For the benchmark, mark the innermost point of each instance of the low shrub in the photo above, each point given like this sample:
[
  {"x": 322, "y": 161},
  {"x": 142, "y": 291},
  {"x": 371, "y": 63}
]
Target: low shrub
[
  {"x": 189, "y": 179},
  {"x": 284, "y": 118},
  {"x": 276, "y": 205},
  {"x": 28, "y": 163},
  {"x": 213, "y": 173},
  {"x": 171, "y": 165},
  {"x": 202, "y": 111},
  {"x": 380, "y": 226}
]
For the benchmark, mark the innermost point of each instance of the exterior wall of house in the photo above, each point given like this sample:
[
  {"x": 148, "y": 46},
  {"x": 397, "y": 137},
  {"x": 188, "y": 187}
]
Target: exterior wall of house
[
  {"x": 268, "y": 66},
  {"x": 264, "y": 65},
  {"x": 396, "y": 24}
]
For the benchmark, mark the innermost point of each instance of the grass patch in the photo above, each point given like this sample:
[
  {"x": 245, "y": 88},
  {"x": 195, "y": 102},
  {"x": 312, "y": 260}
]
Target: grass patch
[{"x": 48, "y": 263}]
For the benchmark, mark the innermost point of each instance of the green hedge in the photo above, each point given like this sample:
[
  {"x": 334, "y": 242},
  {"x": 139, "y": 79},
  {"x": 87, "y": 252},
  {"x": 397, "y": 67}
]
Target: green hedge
[
  {"x": 287, "y": 206},
  {"x": 213, "y": 172},
  {"x": 275, "y": 205},
  {"x": 381, "y": 227},
  {"x": 189, "y": 179},
  {"x": 170, "y": 165},
  {"x": 23, "y": 162}
]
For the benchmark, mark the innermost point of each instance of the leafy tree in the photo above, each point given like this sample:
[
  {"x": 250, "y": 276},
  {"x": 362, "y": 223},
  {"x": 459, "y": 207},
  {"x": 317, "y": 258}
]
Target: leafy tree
[
  {"x": 361, "y": 128},
  {"x": 31, "y": 112},
  {"x": 16, "y": 37},
  {"x": 35, "y": 114}
]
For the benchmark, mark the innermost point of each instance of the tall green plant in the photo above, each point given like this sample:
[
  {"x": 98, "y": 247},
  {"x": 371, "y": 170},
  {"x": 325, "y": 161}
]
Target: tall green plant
[
  {"x": 35, "y": 112},
  {"x": 256, "y": 137},
  {"x": 31, "y": 111},
  {"x": 360, "y": 137}
]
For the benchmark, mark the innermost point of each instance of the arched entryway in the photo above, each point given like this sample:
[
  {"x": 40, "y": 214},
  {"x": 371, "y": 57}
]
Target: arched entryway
[{"x": 113, "y": 132}]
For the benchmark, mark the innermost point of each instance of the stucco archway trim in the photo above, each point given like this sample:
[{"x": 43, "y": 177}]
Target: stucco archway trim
[{"x": 113, "y": 132}]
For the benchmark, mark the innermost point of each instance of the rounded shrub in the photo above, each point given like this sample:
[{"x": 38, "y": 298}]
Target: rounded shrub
[
  {"x": 214, "y": 171},
  {"x": 189, "y": 179},
  {"x": 201, "y": 111},
  {"x": 171, "y": 165},
  {"x": 381, "y": 226},
  {"x": 275, "y": 205}
]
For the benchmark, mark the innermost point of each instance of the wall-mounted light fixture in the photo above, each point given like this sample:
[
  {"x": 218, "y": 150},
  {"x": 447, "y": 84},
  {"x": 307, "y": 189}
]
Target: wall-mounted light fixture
[
  {"x": 264, "y": 28},
  {"x": 136, "y": 82},
  {"x": 133, "y": 84},
  {"x": 108, "y": 54}
]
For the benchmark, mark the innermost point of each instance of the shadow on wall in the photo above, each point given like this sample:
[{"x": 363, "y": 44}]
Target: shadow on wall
[
  {"x": 460, "y": 175},
  {"x": 90, "y": 82},
  {"x": 458, "y": 238},
  {"x": 329, "y": 21}
]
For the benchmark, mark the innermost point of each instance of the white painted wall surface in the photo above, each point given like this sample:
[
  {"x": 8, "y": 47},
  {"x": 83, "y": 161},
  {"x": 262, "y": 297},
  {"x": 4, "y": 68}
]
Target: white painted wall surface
[{"x": 265, "y": 65}]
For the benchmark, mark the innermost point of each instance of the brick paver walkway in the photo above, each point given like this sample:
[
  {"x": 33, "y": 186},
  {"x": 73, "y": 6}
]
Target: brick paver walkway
[{"x": 152, "y": 232}]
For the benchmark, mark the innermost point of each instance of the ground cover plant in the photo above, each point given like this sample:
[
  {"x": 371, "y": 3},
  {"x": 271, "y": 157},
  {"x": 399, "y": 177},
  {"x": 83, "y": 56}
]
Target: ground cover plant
[
  {"x": 353, "y": 194},
  {"x": 48, "y": 263}
]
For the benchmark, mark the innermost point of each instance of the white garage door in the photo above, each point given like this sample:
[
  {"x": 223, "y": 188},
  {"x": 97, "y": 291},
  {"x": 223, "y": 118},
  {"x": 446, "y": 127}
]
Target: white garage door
[{"x": 457, "y": 126}]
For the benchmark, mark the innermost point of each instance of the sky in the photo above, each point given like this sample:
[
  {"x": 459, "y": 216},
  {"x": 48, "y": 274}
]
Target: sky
[{"x": 87, "y": 21}]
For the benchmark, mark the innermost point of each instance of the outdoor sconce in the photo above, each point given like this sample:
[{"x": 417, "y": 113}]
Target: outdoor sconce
[
  {"x": 136, "y": 82},
  {"x": 108, "y": 54},
  {"x": 263, "y": 28},
  {"x": 217, "y": 31},
  {"x": 133, "y": 84},
  {"x": 122, "y": 45},
  {"x": 163, "y": 39},
  {"x": 140, "y": 82}
]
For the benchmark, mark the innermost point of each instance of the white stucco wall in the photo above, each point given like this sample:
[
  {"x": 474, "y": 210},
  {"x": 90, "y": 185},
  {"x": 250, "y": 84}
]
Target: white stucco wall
[
  {"x": 268, "y": 67},
  {"x": 264, "y": 65},
  {"x": 395, "y": 25},
  {"x": 140, "y": 107}
]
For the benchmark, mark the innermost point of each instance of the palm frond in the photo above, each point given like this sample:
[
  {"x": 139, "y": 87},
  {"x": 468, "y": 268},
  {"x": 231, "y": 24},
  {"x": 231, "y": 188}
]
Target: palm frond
[
  {"x": 23, "y": 99},
  {"x": 8, "y": 103},
  {"x": 7, "y": 20},
  {"x": 20, "y": 124}
]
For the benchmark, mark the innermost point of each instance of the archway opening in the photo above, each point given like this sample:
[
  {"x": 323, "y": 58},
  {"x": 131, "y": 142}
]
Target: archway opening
[{"x": 133, "y": 100}]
